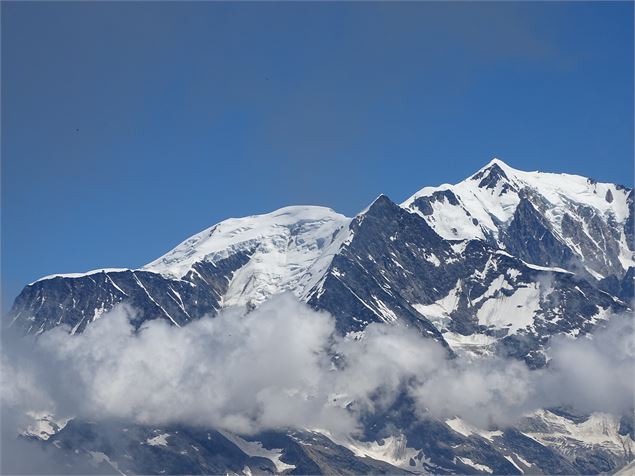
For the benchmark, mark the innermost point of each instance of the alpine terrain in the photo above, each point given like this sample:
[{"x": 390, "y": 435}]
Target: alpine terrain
[{"x": 498, "y": 264}]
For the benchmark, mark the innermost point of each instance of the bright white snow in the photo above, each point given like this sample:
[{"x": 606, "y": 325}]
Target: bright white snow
[
  {"x": 159, "y": 440},
  {"x": 465, "y": 429},
  {"x": 79, "y": 275},
  {"x": 513, "y": 312},
  {"x": 255, "y": 448},
  {"x": 291, "y": 250}
]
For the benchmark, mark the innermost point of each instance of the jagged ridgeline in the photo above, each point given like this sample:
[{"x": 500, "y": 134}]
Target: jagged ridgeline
[
  {"x": 503, "y": 254},
  {"x": 497, "y": 264}
]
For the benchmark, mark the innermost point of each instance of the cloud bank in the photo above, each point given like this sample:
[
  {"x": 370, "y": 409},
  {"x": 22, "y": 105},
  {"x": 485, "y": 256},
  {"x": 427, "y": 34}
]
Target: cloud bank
[{"x": 284, "y": 366}]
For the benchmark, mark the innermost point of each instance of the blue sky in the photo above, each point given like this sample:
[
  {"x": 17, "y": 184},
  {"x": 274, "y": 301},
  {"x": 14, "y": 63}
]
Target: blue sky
[{"x": 127, "y": 127}]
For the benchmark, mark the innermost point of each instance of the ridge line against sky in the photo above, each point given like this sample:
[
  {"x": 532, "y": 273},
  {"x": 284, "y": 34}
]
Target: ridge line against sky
[{"x": 129, "y": 126}]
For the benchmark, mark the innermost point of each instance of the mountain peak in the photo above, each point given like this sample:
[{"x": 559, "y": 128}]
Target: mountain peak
[
  {"x": 382, "y": 202},
  {"x": 494, "y": 172},
  {"x": 382, "y": 198},
  {"x": 498, "y": 162}
]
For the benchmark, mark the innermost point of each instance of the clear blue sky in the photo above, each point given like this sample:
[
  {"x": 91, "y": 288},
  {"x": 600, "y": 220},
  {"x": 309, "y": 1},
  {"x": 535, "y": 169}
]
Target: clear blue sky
[{"x": 127, "y": 127}]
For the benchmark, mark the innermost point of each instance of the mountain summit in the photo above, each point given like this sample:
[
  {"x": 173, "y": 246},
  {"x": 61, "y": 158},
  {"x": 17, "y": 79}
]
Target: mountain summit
[{"x": 547, "y": 219}]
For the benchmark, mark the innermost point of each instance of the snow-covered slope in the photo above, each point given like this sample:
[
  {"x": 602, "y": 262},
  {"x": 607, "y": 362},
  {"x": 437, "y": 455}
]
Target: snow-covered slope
[
  {"x": 289, "y": 250},
  {"x": 583, "y": 223}
]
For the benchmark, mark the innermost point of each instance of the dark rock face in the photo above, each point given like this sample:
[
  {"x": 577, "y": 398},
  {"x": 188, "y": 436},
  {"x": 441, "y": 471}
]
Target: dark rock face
[
  {"x": 629, "y": 226},
  {"x": 549, "y": 461},
  {"x": 490, "y": 177},
  {"x": 433, "y": 447},
  {"x": 385, "y": 268},
  {"x": 115, "y": 448},
  {"x": 424, "y": 204},
  {"x": 76, "y": 302},
  {"x": 627, "y": 425},
  {"x": 131, "y": 450},
  {"x": 530, "y": 238},
  {"x": 597, "y": 240},
  {"x": 626, "y": 290}
]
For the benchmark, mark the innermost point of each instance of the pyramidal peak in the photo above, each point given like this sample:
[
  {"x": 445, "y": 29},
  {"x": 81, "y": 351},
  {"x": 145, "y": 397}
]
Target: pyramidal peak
[
  {"x": 495, "y": 172},
  {"x": 498, "y": 163},
  {"x": 381, "y": 201}
]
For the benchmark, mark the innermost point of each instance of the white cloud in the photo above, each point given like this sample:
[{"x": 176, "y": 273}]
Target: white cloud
[{"x": 274, "y": 368}]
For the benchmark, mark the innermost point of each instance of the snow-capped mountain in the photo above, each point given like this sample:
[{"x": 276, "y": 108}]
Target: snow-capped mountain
[
  {"x": 482, "y": 265},
  {"x": 496, "y": 264},
  {"x": 544, "y": 218},
  {"x": 236, "y": 262}
]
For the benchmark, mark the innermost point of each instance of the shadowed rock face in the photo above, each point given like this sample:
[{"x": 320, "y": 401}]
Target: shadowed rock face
[
  {"x": 78, "y": 301},
  {"x": 629, "y": 225},
  {"x": 540, "y": 444},
  {"x": 384, "y": 269},
  {"x": 491, "y": 177},
  {"x": 119, "y": 447},
  {"x": 529, "y": 238}
]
